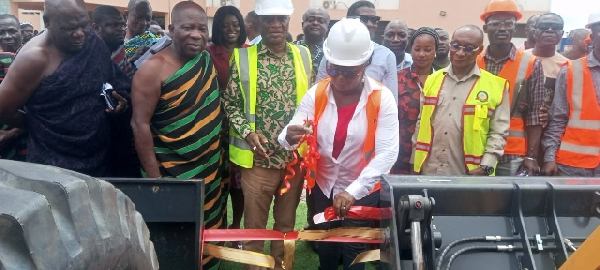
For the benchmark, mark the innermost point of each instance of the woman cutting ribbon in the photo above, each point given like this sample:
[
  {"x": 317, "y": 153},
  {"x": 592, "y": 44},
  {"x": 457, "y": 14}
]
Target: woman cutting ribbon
[{"x": 355, "y": 122}]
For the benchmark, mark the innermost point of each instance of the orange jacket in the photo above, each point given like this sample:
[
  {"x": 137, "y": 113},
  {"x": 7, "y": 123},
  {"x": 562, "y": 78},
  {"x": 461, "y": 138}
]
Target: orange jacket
[
  {"x": 580, "y": 146},
  {"x": 515, "y": 72},
  {"x": 372, "y": 107}
]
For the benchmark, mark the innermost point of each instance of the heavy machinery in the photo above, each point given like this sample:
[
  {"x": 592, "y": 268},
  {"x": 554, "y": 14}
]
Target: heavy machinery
[
  {"x": 487, "y": 222},
  {"x": 52, "y": 218}
]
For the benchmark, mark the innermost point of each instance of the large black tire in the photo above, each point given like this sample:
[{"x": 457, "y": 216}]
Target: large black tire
[{"x": 51, "y": 218}]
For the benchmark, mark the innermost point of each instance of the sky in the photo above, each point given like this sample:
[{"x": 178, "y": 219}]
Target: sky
[{"x": 574, "y": 12}]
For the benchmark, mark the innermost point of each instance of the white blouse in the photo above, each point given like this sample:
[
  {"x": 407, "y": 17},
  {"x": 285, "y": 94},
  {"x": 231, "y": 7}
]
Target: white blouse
[{"x": 345, "y": 172}]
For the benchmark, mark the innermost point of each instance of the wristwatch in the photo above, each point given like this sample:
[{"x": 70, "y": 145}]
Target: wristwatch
[{"x": 489, "y": 170}]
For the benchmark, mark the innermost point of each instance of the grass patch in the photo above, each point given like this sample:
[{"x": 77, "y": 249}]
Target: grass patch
[{"x": 306, "y": 259}]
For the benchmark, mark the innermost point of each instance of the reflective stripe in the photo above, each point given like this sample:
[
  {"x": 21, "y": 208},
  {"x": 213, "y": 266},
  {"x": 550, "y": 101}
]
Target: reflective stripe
[
  {"x": 430, "y": 101},
  {"x": 577, "y": 100},
  {"x": 244, "y": 73},
  {"x": 423, "y": 147},
  {"x": 470, "y": 109},
  {"x": 523, "y": 67},
  {"x": 580, "y": 149},
  {"x": 472, "y": 159},
  {"x": 519, "y": 80},
  {"x": 305, "y": 59},
  {"x": 239, "y": 142},
  {"x": 516, "y": 133}
]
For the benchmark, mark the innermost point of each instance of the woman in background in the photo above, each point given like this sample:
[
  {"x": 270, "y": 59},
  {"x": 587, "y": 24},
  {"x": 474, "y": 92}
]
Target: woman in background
[{"x": 228, "y": 33}]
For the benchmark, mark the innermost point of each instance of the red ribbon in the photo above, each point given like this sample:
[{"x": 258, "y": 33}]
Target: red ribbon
[
  {"x": 309, "y": 159},
  {"x": 219, "y": 235},
  {"x": 360, "y": 212}
]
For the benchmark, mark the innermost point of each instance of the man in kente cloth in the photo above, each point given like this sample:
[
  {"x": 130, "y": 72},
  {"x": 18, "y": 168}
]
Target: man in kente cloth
[
  {"x": 177, "y": 112},
  {"x": 59, "y": 77}
]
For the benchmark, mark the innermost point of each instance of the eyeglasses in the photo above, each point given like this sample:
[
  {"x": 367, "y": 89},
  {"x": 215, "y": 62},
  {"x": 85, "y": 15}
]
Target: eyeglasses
[
  {"x": 272, "y": 19},
  {"x": 348, "y": 73},
  {"x": 548, "y": 26},
  {"x": 312, "y": 19},
  {"x": 497, "y": 24},
  {"x": 467, "y": 48},
  {"x": 367, "y": 18}
]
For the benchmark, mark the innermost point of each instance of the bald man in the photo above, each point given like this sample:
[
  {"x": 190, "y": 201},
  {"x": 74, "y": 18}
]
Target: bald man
[
  {"x": 177, "y": 111},
  {"x": 59, "y": 78},
  {"x": 315, "y": 24},
  {"x": 578, "y": 48},
  {"x": 529, "y": 43},
  {"x": 451, "y": 130},
  {"x": 441, "y": 55},
  {"x": 395, "y": 37},
  {"x": 138, "y": 38}
]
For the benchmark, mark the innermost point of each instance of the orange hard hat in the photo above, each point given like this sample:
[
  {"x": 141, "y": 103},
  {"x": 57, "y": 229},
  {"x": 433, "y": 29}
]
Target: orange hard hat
[{"x": 503, "y": 6}]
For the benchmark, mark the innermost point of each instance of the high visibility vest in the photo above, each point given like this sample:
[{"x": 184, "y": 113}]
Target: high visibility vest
[
  {"x": 515, "y": 72},
  {"x": 580, "y": 146},
  {"x": 485, "y": 96},
  {"x": 246, "y": 60},
  {"x": 372, "y": 108}
]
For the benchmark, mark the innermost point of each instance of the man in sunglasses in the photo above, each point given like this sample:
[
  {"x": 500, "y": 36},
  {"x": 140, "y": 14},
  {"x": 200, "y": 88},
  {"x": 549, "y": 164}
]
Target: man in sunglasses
[
  {"x": 526, "y": 77},
  {"x": 382, "y": 65},
  {"x": 571, "y": 140},
  {"x": 548, "y": 32},
  {"x": 465, "y": 114}
]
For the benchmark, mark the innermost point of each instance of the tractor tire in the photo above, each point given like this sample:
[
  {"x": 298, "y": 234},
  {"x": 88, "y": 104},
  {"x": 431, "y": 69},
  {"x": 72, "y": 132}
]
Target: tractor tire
[{"x": 52, "y": 218}]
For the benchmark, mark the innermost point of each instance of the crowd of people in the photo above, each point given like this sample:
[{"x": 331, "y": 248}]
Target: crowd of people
[{"x": 115, "y": 95}]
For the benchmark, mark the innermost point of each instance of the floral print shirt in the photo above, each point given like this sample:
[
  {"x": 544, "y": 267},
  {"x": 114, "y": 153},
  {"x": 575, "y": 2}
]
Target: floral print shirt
[
  {"x": 409, "y": 107},
  {"x": 275, "y": 103}
]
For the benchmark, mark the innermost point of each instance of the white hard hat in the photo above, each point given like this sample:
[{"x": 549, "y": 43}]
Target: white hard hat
[
  {"x": 348, "y": 43},
  {"x": 273, "y": 7},
  {"x": 593, "y": 19}
]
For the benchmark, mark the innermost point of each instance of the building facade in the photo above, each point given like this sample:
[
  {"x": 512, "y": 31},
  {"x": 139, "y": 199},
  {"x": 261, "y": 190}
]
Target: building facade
[{"x": 444, "y": 14}]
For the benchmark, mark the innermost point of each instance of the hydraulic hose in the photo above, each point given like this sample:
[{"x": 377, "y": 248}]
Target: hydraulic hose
[
  {"x": 474, "y": 248},
  {"x": 467, "y": 240}
]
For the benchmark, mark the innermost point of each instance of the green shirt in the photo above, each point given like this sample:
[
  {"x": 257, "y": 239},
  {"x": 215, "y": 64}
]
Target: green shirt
[{"x": 275, "y": 103}]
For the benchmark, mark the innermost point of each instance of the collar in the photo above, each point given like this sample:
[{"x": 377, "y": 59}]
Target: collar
[
  {"x": 512, "y": 55},
  {"x": 475, "y": 71},
  {"x": 263, "y": 49},
  {"x": 592, "y": 61},
  {"x": 413, "y": 71},
  {"x": 407, "y": 62},
  {"x": 256, "y": 40}
]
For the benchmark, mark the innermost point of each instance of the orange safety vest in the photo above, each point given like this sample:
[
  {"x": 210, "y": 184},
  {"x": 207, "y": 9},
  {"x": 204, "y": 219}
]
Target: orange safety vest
[
  {"x": 580, "y": 146},
  {"x": 514, "y": 71},
  {"x": 372, "y": 106}
]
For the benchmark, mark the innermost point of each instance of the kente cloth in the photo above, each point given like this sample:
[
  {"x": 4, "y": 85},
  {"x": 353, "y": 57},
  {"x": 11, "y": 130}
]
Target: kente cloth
[
  {"x": 66, "y": 119},
  {"x": 185, "y": 129},
  {"x": 143, "y": 39},
  {"x": 119, "y": 57},
  {"x": 16, "y": 149}
]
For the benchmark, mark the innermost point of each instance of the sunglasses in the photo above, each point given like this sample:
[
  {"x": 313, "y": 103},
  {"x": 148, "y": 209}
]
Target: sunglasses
[
  {"x": 467, "y": 48},
  {"x": 548, "y": 26},
  {"x": 367, "y": 18},
  {"x": 348, "y": 73}
]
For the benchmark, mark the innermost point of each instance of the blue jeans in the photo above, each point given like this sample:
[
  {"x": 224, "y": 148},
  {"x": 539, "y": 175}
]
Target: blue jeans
[{"x": 330, "y": 252}]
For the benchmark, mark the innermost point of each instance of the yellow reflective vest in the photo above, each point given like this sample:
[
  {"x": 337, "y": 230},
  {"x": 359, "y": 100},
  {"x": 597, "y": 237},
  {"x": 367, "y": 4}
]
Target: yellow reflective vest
[
  {"x": 485, "y": 96},
  {"x": 246, "y": 60}
]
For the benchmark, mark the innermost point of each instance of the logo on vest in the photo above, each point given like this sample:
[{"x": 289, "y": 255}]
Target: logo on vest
[{"x": 482, "y": 96}]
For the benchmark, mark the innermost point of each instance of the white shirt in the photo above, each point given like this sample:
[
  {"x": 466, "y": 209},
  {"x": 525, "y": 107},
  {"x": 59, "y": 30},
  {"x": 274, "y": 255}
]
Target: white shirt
[
  {"x": 255, "y": 41},
  {"x": 345, "y": 172}
]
